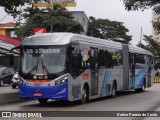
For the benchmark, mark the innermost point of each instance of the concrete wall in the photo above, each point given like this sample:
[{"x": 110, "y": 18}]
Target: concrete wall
[{"x": 81, "y": 17}]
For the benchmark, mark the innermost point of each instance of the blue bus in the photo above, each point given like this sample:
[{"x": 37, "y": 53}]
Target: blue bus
[{"x": 67, "y": 66}]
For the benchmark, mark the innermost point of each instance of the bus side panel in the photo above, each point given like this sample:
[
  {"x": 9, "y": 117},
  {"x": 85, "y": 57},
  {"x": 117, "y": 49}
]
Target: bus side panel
[
  {"x": 105, "y": 82},
  {"x": 143, "y": 72},
  {"x": 76, "y": 84},
  {"x": 141, "y": 75},
  {"x": 109, "y": 77}
]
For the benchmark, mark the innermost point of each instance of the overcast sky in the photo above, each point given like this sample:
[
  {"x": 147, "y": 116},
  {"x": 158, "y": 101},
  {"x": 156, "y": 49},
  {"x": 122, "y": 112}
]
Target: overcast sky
[{"x": 112, "y": 10}]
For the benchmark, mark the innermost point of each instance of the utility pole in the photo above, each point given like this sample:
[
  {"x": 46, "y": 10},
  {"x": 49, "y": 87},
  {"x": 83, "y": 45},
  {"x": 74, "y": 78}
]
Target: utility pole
[
  {"x": 51, "y": 6},
  {"x": 51, "y": 24},
  {"x": 140, "y": 42}
]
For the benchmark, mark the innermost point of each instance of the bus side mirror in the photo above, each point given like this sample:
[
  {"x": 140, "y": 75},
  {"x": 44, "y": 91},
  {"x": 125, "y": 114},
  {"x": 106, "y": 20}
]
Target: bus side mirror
[{"x": 11, "y": 59}]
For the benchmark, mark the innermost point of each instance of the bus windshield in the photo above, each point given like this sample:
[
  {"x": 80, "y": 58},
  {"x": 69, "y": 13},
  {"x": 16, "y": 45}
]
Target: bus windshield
[{"x": 43, "y": 61}]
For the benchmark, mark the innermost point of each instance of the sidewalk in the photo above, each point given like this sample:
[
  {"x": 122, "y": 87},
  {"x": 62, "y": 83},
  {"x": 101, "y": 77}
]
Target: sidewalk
[{"x": 153, "y": 118}]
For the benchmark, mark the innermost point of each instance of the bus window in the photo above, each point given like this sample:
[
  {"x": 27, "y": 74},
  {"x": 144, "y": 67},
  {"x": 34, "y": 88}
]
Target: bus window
[
  {"x": 117, "y": 59},
  {"x": 101, "y": 58},
  {"x": 140, "y": 61},
  {"x": 75, "y": 63},
  {"x": 108, "y": 59}
]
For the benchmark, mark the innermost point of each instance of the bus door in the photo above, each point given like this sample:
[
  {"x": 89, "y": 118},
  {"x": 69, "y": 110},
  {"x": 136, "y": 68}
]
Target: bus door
[
  {"x": 94, "y": 71},
  {"x": 132, "y": 70}
]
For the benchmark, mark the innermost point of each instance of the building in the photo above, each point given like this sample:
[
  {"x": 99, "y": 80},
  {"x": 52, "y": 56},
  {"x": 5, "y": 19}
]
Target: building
[
  {"x": 155, "y": 33},
  {"x": 8, "y": 29},
  {"x": 6, "y": 43},
  {"x": 81, "y": 17}
]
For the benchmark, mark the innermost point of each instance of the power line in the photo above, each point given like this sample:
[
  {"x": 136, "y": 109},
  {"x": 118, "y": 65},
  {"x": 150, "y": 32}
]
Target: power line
[
  {"x": 3, "y": 18},
  {"x": 141, "y": 35}
]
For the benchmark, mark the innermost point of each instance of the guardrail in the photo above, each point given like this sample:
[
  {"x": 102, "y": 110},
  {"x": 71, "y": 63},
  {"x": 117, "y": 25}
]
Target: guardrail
[{"x": 157, "y": 79}]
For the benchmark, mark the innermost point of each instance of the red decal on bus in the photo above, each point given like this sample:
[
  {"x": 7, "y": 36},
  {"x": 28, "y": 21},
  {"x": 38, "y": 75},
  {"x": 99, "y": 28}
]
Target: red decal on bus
[
  {"x": 39, "y": 80},
  {"x": 85, "y": 76}
]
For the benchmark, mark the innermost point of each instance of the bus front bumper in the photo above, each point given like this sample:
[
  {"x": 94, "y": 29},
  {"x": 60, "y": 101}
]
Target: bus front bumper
[{"x": 53, "y": 92}]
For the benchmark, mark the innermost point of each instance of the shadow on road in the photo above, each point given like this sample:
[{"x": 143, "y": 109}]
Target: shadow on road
[{"x": 66, "y": 104}]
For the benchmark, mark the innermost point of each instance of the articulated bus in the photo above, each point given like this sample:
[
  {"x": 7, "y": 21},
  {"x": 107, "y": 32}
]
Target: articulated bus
[{"x": 67, "y": 66}]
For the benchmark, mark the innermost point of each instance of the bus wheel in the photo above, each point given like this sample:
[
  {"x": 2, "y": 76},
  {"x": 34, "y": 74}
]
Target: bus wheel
[
  {"x": 42, "y": 100},
  {"x": 84, "y": 95},
  {"x": 114, "y": 90},
  {"x": 143, "y": 87},
  {"x": 13, "y": 86}
]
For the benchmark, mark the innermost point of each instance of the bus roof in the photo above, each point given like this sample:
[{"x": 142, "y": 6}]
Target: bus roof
[
  {"x": 135, "y": 49},
  {"x": 63, "y": 38}
]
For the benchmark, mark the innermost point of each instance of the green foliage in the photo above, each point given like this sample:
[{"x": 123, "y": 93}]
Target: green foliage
[
  {"x": 13, "y": 7},
  {"x": 109, "y": 30},
  {"x": 56, "y": 19},
  {"x": 144, "y": 4},
  {"x": 156, "y": 25},
  {"x": 139, "y": 4},
  {"x": 152, "y": 46}
]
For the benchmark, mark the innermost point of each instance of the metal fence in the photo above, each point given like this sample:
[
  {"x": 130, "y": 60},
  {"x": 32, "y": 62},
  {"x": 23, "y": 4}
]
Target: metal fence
[{"x": 157, "y": 79}]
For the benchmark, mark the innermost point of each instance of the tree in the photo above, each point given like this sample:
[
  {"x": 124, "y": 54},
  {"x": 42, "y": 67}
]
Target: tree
[
  {"x": 14, "y": 7},
  {"x": 144, "y": 4},
  {"x": 152, "y": 46},
  {"x": 109, "y": 30},
  {"x": 56, "y": 19},
  {"x": 140, "y": 4}
]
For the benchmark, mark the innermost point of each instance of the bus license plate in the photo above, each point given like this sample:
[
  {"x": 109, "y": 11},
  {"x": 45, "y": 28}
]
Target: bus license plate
[{"x": 37, "y": 94}]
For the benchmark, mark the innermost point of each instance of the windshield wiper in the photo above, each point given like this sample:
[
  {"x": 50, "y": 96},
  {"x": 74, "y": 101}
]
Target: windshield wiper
[
  {"x": 45, "y": 68},
  {"x": 35, "y": 67}
]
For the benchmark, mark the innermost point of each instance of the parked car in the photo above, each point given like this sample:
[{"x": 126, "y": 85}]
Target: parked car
[
  {"x": 15, "y": 80},
  {"x": 6, "y": 74}
]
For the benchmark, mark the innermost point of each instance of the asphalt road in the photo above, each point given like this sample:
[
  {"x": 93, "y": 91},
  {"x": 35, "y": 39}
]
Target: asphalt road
[
  {"x": 125, "y": 101},
  {"x": 5, "y": 89}
]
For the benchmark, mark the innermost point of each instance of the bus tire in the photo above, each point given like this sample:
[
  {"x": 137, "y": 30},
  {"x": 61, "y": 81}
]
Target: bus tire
[
  {"x": 14, "y": 86},
  {"x": 143, "y": 87},
  {"x": 42, "y": 100},
  {"x": 84, "y": 95},
  {"x": 113, "y": 90}
]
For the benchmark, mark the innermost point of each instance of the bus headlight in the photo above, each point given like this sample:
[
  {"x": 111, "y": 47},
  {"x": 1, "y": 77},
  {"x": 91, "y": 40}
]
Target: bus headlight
[{"x": 61, "y": 81}]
